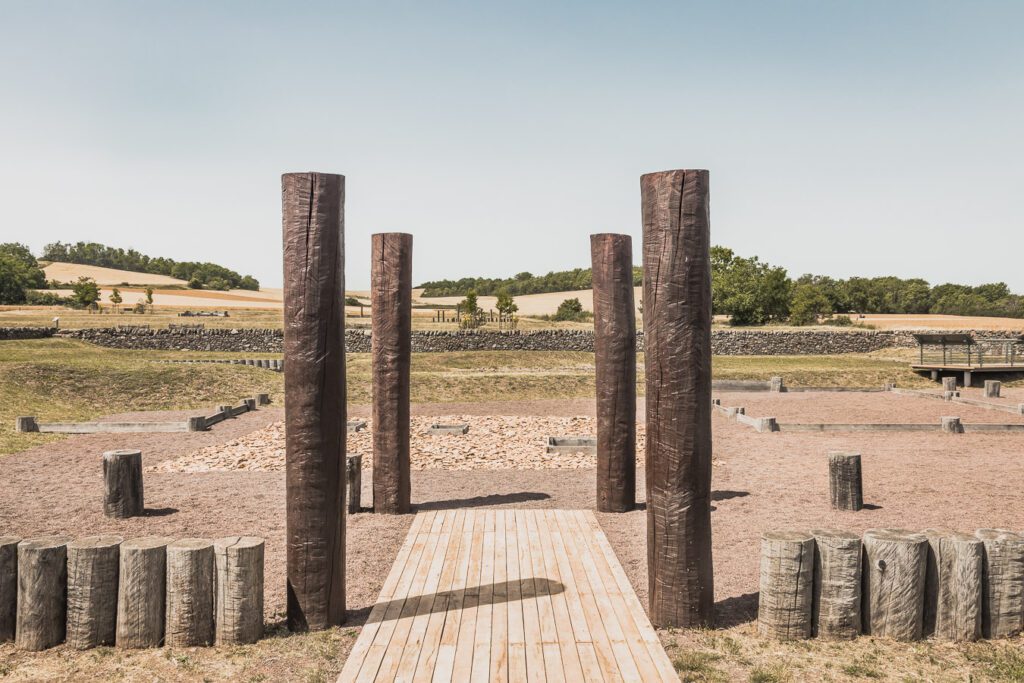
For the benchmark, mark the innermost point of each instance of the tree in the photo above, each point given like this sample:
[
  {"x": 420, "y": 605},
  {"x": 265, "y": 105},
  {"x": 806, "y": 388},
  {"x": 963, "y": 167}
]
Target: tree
[
  {"x": 149, "y": 296},
  {"x": 506, "y": 308},
  {"x": 749, "y": 291},
  {"x": 195, "y": 283},
  {"x": 809, "y": 302},
  {"x": 472, "y": 314},
  {"x": 115, "y": 297},
  {"x": 85, "y": 292},
  {"x": 571, "y": 310}
]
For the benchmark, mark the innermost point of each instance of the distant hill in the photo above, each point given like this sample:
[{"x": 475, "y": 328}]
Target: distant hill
[
  {"x": 70, "y": 272},
  {"x": 194, "y": 274}
]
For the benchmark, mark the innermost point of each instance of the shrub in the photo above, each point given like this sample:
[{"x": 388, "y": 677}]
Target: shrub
[{"x": 571, "y": 310}]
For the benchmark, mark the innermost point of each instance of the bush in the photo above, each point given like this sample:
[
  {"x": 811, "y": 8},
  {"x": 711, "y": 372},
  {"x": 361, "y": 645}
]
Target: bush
[
  {"x": 809, "y": 302},
  {"x": 34, "y": 298},
  {"x": 85, "y": 292},
  {"x": 571, "y": 310}
]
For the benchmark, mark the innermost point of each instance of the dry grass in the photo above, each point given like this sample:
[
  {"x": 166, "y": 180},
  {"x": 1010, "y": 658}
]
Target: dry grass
[{"x": 739, "y": 654}]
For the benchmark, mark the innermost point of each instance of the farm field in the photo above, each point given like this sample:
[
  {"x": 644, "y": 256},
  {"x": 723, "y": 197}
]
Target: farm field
[{"x": 760, "y": 481}]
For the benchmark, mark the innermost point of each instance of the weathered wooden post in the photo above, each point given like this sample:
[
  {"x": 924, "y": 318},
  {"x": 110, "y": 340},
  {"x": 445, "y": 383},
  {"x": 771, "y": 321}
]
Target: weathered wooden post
[
  {"x": 677, "y": 331},
  {"x": 314, "y": 381},
  {"x": 189, "y": 593},
  {"x": 92, "y": 591},
  {"x": 239, "y": 606},
  {"x": 951, "y": 425},
  {"x": 1003, "y": 583},
  {"x": 354, "y": 479},
  {"x": 952, "y": 595},
  {"x": 787, "y": 580},
  {"x": 615, "y": 360},
  {"x": 391, "y": 285},
  {"x": 777, "y": 385},
  {"x": 262, "y": 399},
  {"x": 42, "y": 592},
  {"x": 949, "y": 383},
  {"x": 141, "y": 591},
  {"x": 993, "y": 388},
  {"x": 8, "y": 586},
  {"x": 836, "y": 607},
  {"x": 895, "y": 562},
  {"x": 844, "y": 477},
  {"x": 26, "y": 424},
  {"x": 122, "y": 484}
]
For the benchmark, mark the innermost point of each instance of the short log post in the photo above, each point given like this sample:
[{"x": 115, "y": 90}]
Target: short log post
[
  {"x": 1002, "y": 584},
  {"x": 314, "y": 386},
  {"x": 227, "y": 410},
  {"x": 391, "y": 344},
  {"x": 93, "y": 568},
  {"x": 836, "y": 604},
  {"x": 239, "y": 602},
  {"x": 777, "y": 385},
  {"x": 787, "y": 578},
  {"x": 42, "y": 592},
  {"x": 262, "y": 399},
  {"x": 26, "y": 424},
  {"x": 189, "y": 593},
  {"x": 951, "y": 425},
  {"x": 952, "y": 596},
  {"x": 844, "y": 481},
  {"x": 615, "y": 371},
  {"x": 677, "y": 330},
  {"x": 895, "y": 563},
  {"x": 354, "y": 478},
  {"x": 140, "y": 595},
  {"x": 197, "y": 424},
  {"x": 250, "y": 404},
  {"x": 122, "y": 484},
  {"x": 993, "y": 388},
  {"x": 8, "y": 586},
  {"x": 949, "y": 383}
]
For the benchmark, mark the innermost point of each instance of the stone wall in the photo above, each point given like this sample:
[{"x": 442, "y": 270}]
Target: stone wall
[
  {"x": 7, "y": 333},
  {"x": 725, "y": 342}
]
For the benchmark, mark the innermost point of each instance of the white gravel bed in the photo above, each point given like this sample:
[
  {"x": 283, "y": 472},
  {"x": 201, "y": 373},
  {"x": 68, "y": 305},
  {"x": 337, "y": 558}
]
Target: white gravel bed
[{"x": 493, "y": 443}]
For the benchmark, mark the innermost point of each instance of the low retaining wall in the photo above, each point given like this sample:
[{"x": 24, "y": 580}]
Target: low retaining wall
[
  {"x": 724, "y": 342},
  {"x": 10, "y": 333}
]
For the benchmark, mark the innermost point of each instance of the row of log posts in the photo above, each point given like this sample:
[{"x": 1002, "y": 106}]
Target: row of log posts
[
  {"x": 145, "y": 592},
  {"x": 897, "y": 584}
]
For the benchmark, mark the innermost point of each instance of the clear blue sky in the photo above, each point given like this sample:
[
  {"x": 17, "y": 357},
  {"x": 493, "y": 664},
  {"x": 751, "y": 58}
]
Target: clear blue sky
[{"x": 842, "y": 137}]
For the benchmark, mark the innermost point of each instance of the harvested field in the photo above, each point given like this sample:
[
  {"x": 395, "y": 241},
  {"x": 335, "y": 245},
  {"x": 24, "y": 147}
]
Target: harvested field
[
  {"x": 760, "y": 482},
  {"x": 860, "y": 408}
]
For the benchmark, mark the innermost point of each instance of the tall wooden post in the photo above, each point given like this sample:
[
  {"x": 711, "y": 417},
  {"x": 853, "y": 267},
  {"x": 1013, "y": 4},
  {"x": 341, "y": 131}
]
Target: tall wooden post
[
  {"x": 611, "y": 259},
  {"x": 677, "y": 339},
  {"x": 391, "y": 340},
  {"x": 314, "y": 383}
]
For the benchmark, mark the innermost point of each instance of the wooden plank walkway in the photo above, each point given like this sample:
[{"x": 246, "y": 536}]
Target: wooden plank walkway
[{"x": 507, "y": 595}]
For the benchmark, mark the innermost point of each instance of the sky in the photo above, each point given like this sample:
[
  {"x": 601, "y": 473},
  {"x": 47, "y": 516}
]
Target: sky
[{"x": 843, "y": 138}]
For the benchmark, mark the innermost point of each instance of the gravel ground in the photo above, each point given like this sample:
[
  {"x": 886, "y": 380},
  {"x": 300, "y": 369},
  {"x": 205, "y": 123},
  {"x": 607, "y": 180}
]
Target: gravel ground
[{"x": 761, "y": 481}]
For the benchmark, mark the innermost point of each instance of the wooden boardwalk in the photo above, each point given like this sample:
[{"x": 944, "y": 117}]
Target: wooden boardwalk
[{"x": 507, "y": 595}]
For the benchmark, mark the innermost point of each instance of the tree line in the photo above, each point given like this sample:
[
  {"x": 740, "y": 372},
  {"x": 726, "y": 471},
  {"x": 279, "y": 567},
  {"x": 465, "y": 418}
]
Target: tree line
[
  {"x": 753, "y": 292},
  {"x": 198, "y": 275}
]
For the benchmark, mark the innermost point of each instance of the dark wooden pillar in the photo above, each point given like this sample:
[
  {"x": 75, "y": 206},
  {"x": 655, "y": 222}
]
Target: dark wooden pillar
[
  {"x": 391, "y": 285},
  {"x": 314, "y": 384},
  {"x": 677, "y": 344},
  {"x": 615, "y": 360}
]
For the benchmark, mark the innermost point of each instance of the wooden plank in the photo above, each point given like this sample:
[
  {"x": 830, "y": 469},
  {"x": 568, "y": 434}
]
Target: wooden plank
[
  {"x": 571, "y": 665},
  {"x": 613, "y": 653},
  {"x": 499, "y": 614},
  {"x": 431, "y": 639},
  {"x": 446, "y": 650},
  {"x": 407, "y": 554},
  {"x": 485, "y": 608},
  {"x": 535, "y": 667},
  {"x": 463, "y": 668},
  {"x": 438, "y": 580},
  {"x": 553, "y": 654},
  {"x": 640, "y": 620},
  {"x": 389, "y": 654},
  {"x": 517, "y": 670}
]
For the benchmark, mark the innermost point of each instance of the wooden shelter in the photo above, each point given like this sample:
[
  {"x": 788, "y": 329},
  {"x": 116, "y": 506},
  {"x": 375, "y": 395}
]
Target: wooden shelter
[{"x": 951, "y": 354}]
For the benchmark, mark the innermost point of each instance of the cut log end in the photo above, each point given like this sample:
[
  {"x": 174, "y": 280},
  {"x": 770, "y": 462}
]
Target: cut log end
[
  {"x": 190, "y": 593},
  {"x": 239, "y": 586},
  {"x": 93, "y": 571},
  {"x": 42, "y": 592},
  {"x": 836, "y": 605},
  {"x": 895, "y": 564},
  {"x": 787, "y": 565}
]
